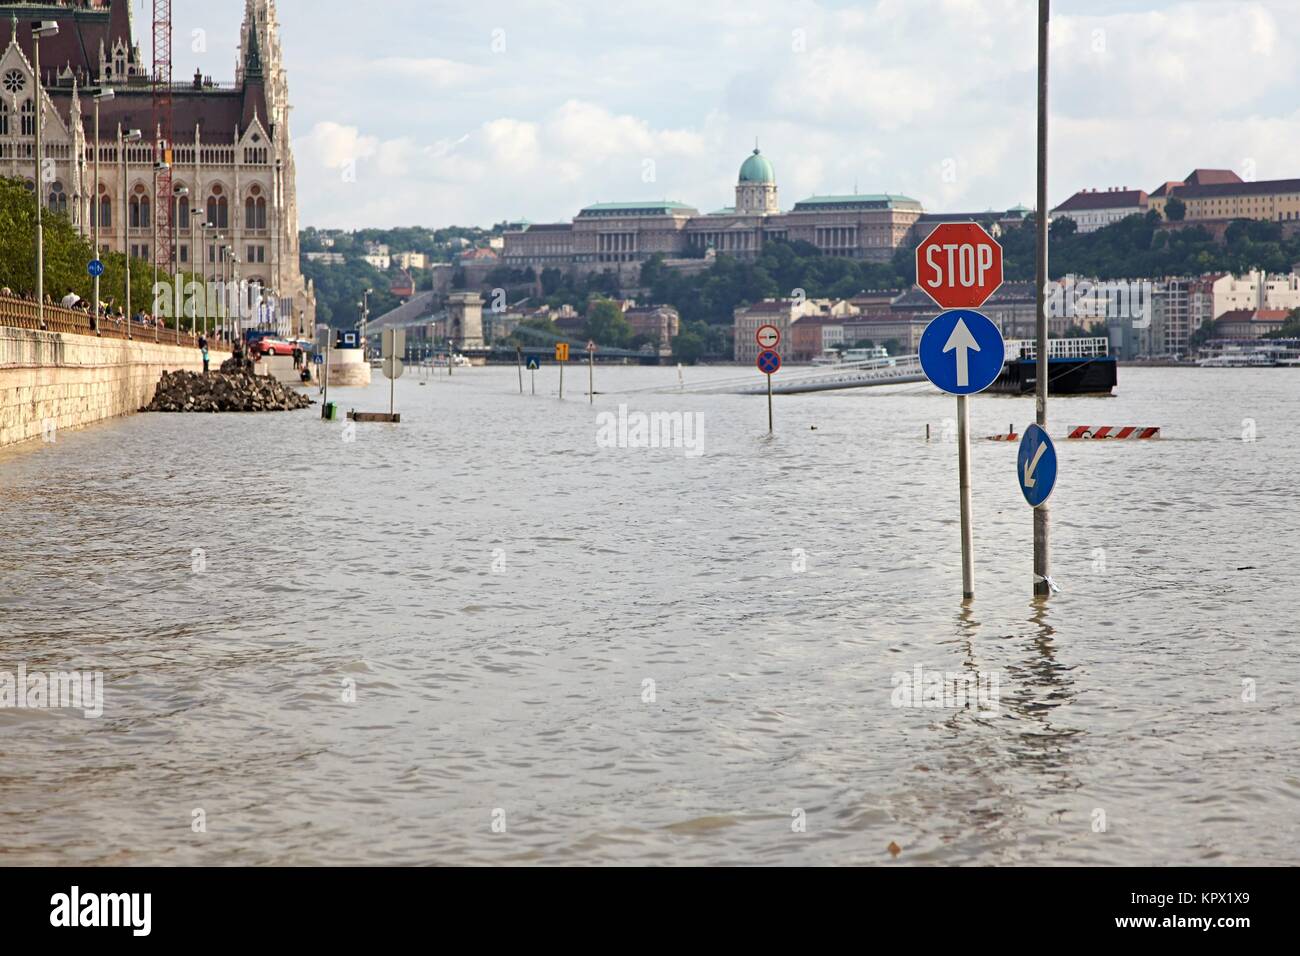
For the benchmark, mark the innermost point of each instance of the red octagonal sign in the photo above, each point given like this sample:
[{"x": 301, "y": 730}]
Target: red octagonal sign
[{"x": 959, "y": 265}]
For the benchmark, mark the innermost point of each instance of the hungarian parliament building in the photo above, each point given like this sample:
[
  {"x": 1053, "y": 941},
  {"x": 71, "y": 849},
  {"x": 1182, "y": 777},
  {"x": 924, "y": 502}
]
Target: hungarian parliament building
[{"x": 233, "y": 194}]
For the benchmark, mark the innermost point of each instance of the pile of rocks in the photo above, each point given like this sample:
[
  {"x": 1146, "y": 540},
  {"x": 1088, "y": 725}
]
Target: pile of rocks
[{"x": 223, "y": 392}]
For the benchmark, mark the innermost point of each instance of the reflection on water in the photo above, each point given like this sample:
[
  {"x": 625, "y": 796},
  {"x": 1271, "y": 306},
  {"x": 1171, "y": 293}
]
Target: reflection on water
[{"x": 482, "y": 636}]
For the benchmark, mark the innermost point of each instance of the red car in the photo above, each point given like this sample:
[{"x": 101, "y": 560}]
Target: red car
[{"x": 269, "y": 346}]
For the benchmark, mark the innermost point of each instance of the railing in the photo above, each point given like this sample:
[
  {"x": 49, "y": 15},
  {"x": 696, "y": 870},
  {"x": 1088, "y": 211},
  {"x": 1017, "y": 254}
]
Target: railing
[
  {"x": 1059, "y": 348},
  {"x": 24, "y": 314}
]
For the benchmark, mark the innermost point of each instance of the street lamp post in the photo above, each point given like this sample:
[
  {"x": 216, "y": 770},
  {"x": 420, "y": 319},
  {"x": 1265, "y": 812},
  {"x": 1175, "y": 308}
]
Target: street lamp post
[
  {"x": 207, "y": 298},
  {"x": 235, "y": 324},
  {"x": 40, "y": 28},
  {"x": 158, "y": 168},
  {"x": 365, "y": 319},
  {"x": 178, "y": 290},
  {"x": 96, "y": 209},
  {"x": 132, "y": 136}
]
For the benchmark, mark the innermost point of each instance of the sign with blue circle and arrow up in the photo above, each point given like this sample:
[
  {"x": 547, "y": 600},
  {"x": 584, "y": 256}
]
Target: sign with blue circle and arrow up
[
  {"x": 962, "y": 352},
  {"x": 95, "y": 268},
  {"x": 1036, "y": 465}
]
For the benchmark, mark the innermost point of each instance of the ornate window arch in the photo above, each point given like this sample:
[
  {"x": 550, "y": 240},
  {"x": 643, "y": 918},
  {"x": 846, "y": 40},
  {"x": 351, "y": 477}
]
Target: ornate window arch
[
  {"x": 58, "y": 198},
  {"x": 105, "y": 207},
  {"x": 255, "y": 208},
  {"x": 28, "y": 118},
  {"x": 219, "y": 207},
  {"x": 138, "y": 204},
  {"x": 4, "y": 117}
]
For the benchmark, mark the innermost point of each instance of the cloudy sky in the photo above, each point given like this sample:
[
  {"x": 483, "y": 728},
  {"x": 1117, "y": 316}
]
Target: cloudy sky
[{"x": 469, "y": 113}]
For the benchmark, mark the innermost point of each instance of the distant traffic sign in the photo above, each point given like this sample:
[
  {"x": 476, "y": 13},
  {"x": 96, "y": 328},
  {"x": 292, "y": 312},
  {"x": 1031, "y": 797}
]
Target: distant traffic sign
[
  {"x": 95, "y": 268},
  {"x": 768, "y": 336},
  {"x": 561, "y": 351},
  {"x": 769, "y": 362},
  {"x": 534, "y": 363},
  {"x": 393, "y": 367},
  {"x": 962, "y": 351},
  {"x": 1036, "y": 465},
  {"x": 591, "y": 345},
  {"x": 959, "y": 265}
]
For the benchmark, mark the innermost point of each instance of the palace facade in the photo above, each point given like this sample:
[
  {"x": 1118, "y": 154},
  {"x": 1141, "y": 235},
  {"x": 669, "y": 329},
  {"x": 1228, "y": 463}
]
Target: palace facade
[
  {"x": 232, "y": 164},
  {"x": 622, "y": 235}
]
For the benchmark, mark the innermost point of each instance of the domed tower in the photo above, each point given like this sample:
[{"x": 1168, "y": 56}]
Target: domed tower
[{"x": 756, "y": 189}]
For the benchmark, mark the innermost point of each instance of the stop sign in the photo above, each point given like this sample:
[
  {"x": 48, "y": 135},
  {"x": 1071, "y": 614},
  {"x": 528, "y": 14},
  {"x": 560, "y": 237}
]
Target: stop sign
[{"x": 959, "y": 265}]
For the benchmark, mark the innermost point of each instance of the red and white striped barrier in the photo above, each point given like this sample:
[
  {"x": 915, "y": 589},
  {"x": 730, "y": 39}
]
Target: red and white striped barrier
[
  {"x": 1113, "y": 431},
  {"x": 1010, "y": 436}
]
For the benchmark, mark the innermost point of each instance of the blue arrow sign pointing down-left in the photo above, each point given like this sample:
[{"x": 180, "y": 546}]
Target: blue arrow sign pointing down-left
[{"x": 1036, "y": 465}]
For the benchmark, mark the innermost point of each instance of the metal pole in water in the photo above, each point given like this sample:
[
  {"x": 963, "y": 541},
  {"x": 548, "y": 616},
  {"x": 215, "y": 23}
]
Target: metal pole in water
[
  {"x": 519, "y": 361},
  {"x": 963, "y": 468},
  {"x": 591, "y": 376},
  {"x": 1042, "y": 524},
  {"x": 561, "y": 381},
  {"x": 769, "y": 404}
]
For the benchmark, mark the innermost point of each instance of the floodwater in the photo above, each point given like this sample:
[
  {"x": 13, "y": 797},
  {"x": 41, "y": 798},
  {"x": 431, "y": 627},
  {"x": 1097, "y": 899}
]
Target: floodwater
[{"x": 479, "y": 637}]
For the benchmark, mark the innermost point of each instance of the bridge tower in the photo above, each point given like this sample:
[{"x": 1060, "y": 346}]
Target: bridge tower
[{"x": 465, "y": 320}]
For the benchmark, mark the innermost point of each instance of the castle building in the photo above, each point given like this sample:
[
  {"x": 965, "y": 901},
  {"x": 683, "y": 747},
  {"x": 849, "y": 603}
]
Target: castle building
[
  {"x": 621, "y": 235},
  {"x": 232, "y": 165}
]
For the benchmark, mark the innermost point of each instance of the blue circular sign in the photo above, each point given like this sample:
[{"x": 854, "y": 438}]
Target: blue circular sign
[
  {"x": 95, "y": 268},
  {"x": 768, "y": 361},
  {"x": 1036, "y": 465},
  {"x": 962, "y": 351}
]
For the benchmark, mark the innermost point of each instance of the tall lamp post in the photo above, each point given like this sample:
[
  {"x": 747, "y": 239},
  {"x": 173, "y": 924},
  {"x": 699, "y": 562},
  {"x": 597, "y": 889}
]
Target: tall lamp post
[
  {"x": 40, "y": 28},
  {"x": 133, "y": 136},
  {"x": 207, "y": 298},
  {"x": 158, "y": 168},
  {"x": 96, "y": 209},
  {"x": 178, "y": 290},
  {"x": 235, "y": 324},
  {"x": 365, "y": 319}
]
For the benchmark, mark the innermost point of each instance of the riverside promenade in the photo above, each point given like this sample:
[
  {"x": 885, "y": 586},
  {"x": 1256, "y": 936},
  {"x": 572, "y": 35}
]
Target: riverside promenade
[{"x": 66, "y": 375}]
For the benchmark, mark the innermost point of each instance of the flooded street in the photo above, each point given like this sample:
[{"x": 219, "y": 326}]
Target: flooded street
[{"x": 482, "y": 637}]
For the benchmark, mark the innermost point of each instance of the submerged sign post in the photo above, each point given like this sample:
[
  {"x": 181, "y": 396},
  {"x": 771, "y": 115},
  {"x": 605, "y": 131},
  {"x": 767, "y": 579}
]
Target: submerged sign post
[
  {"x": 768, "y": 338},
  {"x": 959, "y": 266},
  {"x": 1036, "y": 466}
]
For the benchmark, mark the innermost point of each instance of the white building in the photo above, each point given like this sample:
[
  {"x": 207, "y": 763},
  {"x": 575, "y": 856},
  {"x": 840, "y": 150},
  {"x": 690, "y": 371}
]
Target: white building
[{"x": 1091, "y": 209}]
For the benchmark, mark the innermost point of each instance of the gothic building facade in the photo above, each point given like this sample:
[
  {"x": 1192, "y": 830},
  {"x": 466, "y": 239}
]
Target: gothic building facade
[{"x": 233, "y": 197}]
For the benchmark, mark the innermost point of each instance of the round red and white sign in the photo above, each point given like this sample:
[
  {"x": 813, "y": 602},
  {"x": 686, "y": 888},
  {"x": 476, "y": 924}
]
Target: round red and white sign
[{"x": 768, "y": 336}]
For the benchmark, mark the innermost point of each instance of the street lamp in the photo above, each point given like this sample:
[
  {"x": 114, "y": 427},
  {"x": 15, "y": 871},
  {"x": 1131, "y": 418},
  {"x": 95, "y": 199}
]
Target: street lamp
[
  {"x": 132, "y": 136},
  {"x": 40, "y": 28},
  {"x": 207, "y": 226},
  {"x": 178, "y": 291},
  {"x": 364, "y": 305},
  {"x": 161, "y": 167},
  {"x": 239, "y": 293},
  {"x": 96, "y": 209}
]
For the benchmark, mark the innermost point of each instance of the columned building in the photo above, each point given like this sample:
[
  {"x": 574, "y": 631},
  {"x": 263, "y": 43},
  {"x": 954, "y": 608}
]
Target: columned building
[
  {"x": 621, "y": 236},
  {"x": 232, "y": 164}
]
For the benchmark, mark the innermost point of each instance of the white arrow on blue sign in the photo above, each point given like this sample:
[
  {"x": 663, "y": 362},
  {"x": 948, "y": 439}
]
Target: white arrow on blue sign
[
  {"x": 1036, "y": 465},
  {"x": 95, "y": 268},
  {"x": 962, "y": 352}
]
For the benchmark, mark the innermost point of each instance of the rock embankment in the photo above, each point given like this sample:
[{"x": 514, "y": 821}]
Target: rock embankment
[{"x": 183, "y": 391}]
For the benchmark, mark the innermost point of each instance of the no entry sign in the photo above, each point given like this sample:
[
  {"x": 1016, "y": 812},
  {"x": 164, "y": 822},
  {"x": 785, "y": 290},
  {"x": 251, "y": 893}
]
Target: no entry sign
[{"x": 959, "y": 265}]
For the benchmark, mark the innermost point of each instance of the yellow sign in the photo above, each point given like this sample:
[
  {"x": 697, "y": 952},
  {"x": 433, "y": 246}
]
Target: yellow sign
[{"x": 561, "y": 351}]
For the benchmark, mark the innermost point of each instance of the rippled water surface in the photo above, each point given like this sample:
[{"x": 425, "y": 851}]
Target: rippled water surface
[{"x": 500, "y": 591}]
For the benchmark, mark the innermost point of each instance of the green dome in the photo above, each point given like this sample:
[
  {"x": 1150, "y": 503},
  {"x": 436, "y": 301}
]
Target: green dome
[{"x": 756, "y": 169}]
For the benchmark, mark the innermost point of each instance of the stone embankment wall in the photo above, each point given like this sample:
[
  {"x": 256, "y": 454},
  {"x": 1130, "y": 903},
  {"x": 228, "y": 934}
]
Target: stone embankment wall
[{"x": 58, "y": 380}]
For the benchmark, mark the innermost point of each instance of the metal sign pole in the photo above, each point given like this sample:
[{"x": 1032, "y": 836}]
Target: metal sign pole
[
  {"x": 1042, "y": 524},
  {"x": 519, "y": 361},
  {"x": 591, "y": 376},
  {"x": 963, "y": 484},
  {"x": 561, "y": 381},
  {"x": 769, "y": 403}
]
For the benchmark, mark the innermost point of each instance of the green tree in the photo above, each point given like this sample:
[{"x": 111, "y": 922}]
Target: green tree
[
  {"x": 606, "y": 324},
  {"x": 1175, "y": 209}
]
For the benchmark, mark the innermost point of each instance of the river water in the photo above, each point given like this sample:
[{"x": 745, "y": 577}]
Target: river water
[{"x": 481, "y": 637}]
